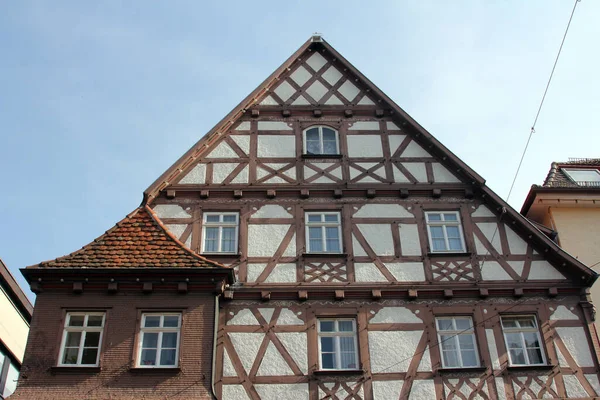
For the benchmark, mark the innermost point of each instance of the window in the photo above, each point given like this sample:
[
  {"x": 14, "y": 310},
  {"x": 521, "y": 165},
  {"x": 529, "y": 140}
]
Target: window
[
  {"x": 323, "y": 232},
  {"x": 456, "y": 337},
  {"x": 159, "y": 340},
  {"x": 81, "y": 339},
  {"x": 337, "y": 344},
  {"x": 445, "y": 232},
  {"x": 220, "y": 232},
  {"x": 522, "y": 338},
  {"x": 321, "y": 140},
  {"x": 9, "y": 374},
  {"x": 584, "y": 177}
]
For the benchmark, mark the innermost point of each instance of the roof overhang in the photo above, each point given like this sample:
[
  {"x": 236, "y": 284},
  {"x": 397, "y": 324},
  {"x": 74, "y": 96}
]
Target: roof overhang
[
  {"x": 536, "y": 190},
  {"x": 15, "y": 293}
]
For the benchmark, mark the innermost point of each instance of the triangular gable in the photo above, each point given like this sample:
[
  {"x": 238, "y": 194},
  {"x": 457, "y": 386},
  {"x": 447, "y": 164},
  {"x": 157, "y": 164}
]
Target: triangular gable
[
  {"x": 139, "y": 240},
  {"x": 307, "y": 80}
]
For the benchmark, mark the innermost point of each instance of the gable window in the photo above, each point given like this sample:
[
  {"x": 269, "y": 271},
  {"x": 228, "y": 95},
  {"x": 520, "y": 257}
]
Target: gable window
[
  {"x": 337, "y": 344},
  {"x": 456, "y": 337},
  {"x": 220, "y": 232},
  {"x": 159, "y": 340},
  {"x": 584, "y": 177},
  {"x": 323, "y": 232},
  {"x": 445, "y": 232},
  {"x": 522, "y": 338},
  {"x": 9, "y": 375},
  {"x": 82, "y": 335},
  {"x": 321, "y": 140}
]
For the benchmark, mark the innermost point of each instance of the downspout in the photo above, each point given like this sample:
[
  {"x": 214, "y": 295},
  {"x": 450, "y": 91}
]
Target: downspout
[{"x": 214, "y": 353}]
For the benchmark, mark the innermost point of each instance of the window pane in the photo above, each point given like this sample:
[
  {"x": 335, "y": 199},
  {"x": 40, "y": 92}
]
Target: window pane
[
  {"x": 329, "y": 147},
  {"x": 150, "y": 340},
  {"x": 455, "y": 244},
  {"x": 327, "y": 326},
  {"x": 312, "y": 134},
  {"x": 73, "y": 339},
  {"x": 466, "y": 342},
  {"x": 450, "y": 358},
  {"x": 315, "y": 239},
  {"x": 517, "y": 356},
  {"x": 210, "y": 240},
  {"x": 438, "y": 244},
  {"x": 169, "y": 340},
  {"x": 463, "y": 323},
  {"x": 332, "y": 239},
  {"x": 92, "y": 339},
  {"x": 76, "y": 320},
  {"x": 314, "y": 218},
  {"x": 70, "y": 356},
  {"x": 313, "y": 147},
  {"x": 212, "y": 217},
  {"x": 469, "y": 358},
  {"x": 345, "y": 326},
  {"x": 448, "y": 342},
  {"x": 228, "y": 238},
  {"x": 444, "y": 324},
  {"x": 229, "y": 218},
  {"x": 167, "y": 357},
  {"x": 327, "y": 361},
  {"x": 332, "y": 217},
  {"x": 171, "y": 321},
  {"x": 526, "y": 322},
  {"x": 152, "y": 321},
  {"x": 11, "y": 381},
  {"x": 531, "y": 339},
  {"x": 347, "y": 344},
  {"x": 535, "y": 356},
  {"x": 89, "y": 356},
  {"x": 348, "y": 361},
  {"x": 434, "y": 217},
  {"x": 450, "y": 217},
  {"x": 513, "y": 340},
  {"x": 436, "y": 231},
  {"x": 95, "y": 320},
  {"x": 453, "y": 231},
  {"x": 509, "y": 323},
  {"x": 328, "y": 134},
  {"x": 148, "y": 357},
  {"x": 327, "y": 344}
]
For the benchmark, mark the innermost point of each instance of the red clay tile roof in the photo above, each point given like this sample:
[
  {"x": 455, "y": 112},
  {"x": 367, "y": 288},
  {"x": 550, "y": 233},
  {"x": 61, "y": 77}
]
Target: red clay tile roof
[
  {"x": 556, "y": 176},
  {"x": 138, "y": 241}
]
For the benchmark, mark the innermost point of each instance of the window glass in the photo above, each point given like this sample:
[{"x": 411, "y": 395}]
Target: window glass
[
  {"x": 220, "y": 232},
  {"x": 338, "y": 344},
  {"x": 457, "y": 342},
  {"x": 323, "y": 232},
  {"x": 583, "y": 176},
  {"x": 321, "y": 140},
  {"x": 11, "y": 380},
  {"x": 159, "y": 343},
  {"x": 445, "y": 232},
  {"x": 522, "y": 339},
  {"x": 81, "y": 339}
]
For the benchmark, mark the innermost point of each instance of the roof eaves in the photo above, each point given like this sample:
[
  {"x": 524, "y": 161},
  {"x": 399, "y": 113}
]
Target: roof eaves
[{"x": 15, "y": 292}]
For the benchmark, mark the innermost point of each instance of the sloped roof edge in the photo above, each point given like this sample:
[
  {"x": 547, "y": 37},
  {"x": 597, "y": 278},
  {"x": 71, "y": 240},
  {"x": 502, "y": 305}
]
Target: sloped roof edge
[{"x": 15, "y": 292}]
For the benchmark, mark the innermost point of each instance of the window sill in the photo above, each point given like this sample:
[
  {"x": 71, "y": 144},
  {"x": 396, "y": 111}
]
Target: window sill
[
  {"x": 321, "y": 156},
  {"x": 530, "y": 367},
  {"x": 336, "y": 255},
  {"x": 449, "y": 254},
  {"x": 220, "y": 254},
  {"x": 175, "y": 370},
  {"x": 74, "y": 369},
  {"x": 466, "y": 369},
  {"x": 339, "y": 372}
]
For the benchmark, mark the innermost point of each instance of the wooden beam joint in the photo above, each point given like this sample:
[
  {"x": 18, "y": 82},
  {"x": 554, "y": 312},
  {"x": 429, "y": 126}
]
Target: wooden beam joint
[
  {"x": 204, "y": 194},
  {"x": 339, "y": 295},
  {"x": 147, "y": 287},
  {"x": 376, "y": 294},
  {"x": 171, "y": 194},
  {"x": 271, "y": 193},
  {"x": 303, "y": 295},
  {"x": 237, "y": 194},
  {"x": 265, "y": 295},
  {"x": 182, "y": 287},
  {"x": 113, "y": 287},
  {"x": 77, "y": 287},
  {"x": 413, "y": 294}
]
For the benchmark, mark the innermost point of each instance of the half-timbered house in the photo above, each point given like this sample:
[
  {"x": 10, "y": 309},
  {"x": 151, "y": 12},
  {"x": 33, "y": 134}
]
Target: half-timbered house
[{"x": 370, "y": 262}]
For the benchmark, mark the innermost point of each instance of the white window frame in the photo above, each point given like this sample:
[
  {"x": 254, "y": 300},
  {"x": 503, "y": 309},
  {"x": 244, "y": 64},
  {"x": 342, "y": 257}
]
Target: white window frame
[
  {"x": 220, "y": 225},
  {"x": 568, "y": 172},
  {"x": 336, "y": 335},
  {"x": 323, "y": 225},
  {"x": 321, "y": 153},
  {"x": 454, "y": 334},
  {"x": 443, "y": 224},
  {"x": 84, "y": 330},
  {"x": 160, "y": 330},
  {"x": 522, "y": 330}
]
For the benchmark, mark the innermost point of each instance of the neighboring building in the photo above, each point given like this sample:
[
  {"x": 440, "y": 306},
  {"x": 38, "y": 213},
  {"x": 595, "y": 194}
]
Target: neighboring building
[
  {"x": 568, "y": 204},
  {"x": 15, "y": 316},
  {"x": 370, "y": 263}
]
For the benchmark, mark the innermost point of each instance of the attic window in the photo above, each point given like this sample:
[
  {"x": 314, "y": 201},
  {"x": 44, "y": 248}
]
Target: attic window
[
  {"x": 321, "y": 140},
  {"x": 583, "y": 177}
]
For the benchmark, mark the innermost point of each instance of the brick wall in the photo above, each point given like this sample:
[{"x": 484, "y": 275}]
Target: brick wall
[{"x": 116, "y": 380}]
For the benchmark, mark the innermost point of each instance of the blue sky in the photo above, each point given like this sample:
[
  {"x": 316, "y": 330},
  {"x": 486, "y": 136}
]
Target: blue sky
[{"x": 99, "y": 98}]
